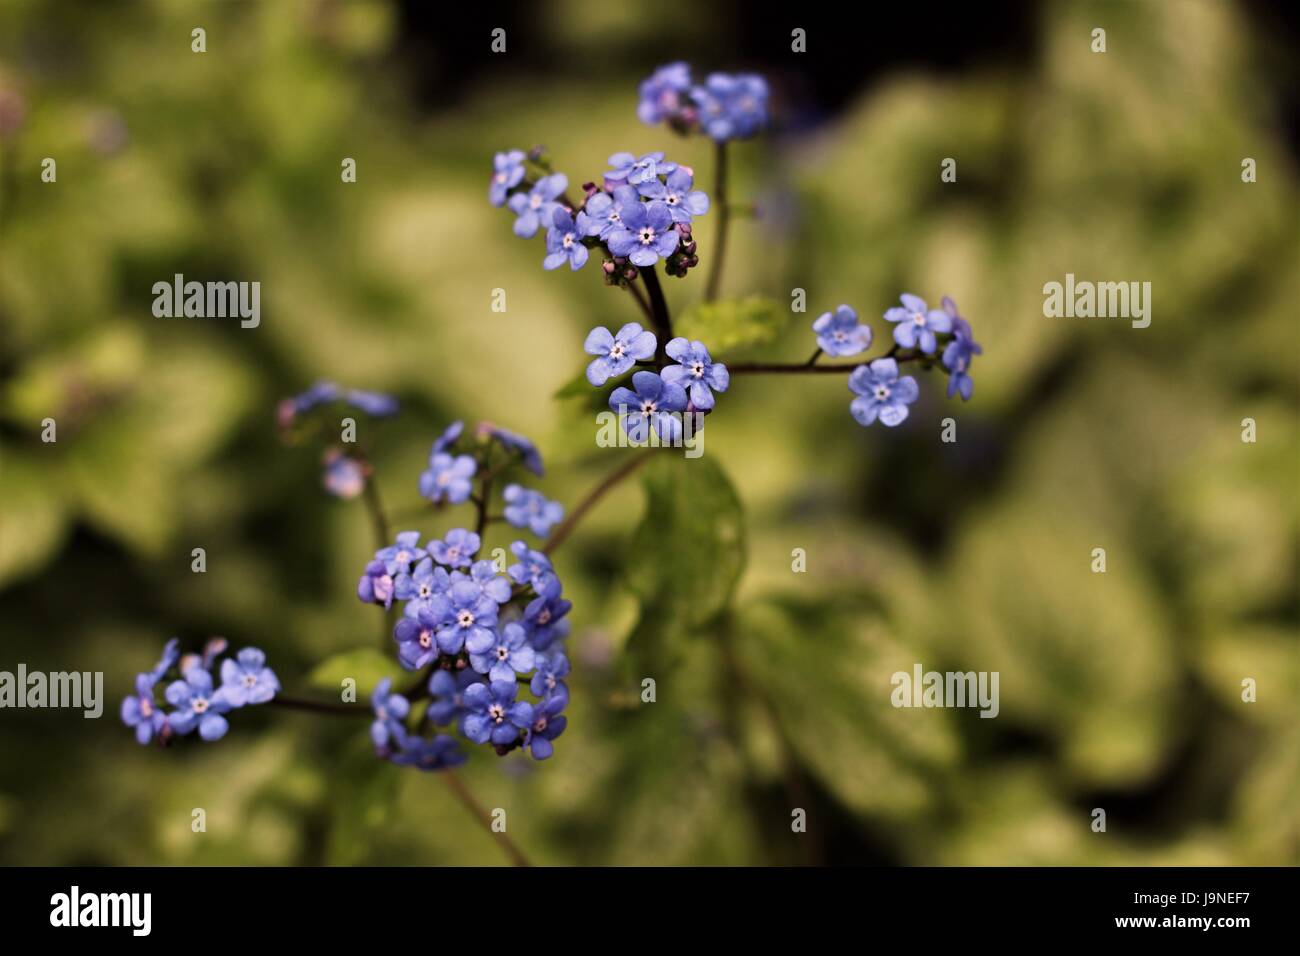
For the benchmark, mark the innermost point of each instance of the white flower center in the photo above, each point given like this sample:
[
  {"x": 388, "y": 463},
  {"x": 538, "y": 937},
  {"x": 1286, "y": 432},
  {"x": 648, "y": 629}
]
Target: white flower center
[
  {"x": 465, "y": 619},
  {"x": 250, "y": 680},
  {"x": 426, "y": 639},
  {"x": 647, "y": 236},
  {"x": 648, "y": 406},
  {"x": 503, "y": 653},
  {"x": 617, "y": 350},
  {"x": 697, "y": 369},
  {"x": 535, "y": 201},
  {"x": 199, "y": 705},
  {"x": 882, "y": 392},
  {"x": 497, "y": 713},
  {"x": 918, "y": 318}
]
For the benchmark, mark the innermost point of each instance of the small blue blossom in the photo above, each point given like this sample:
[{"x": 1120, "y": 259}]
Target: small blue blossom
[
  {"x": 509, "y": 655},
  {"x": 514, "y": 442},
  {"x": 457, "y": 550},
  {"x": 604, "y": 210},
  {"x": 881, "y": 393},
  {"x": 399, "y": 556},
  {"x": 634, "y": 171},
  {"x": 470, "y": 619},
  {"x": 916, "y": 325},
  {"x": 530, "y": 509},
  {"x": 839, "y": 332},
  {"x": 547, "y": 724},
  {"x": 344, "y": 477},
  {"x": 683, "y": 202},
  {"x": 534, "y": 568},
  {"x": 447, "y": 689},
  {"x": 170, "y": 655},
  {"x": 564, "y": 240},
  {"x": 615, "y": 354},
  {"x": 507, "y": 173},
  {"x": 245, "y": 678},
  {"x": 544, "y": 618},
  {"x": 548, "y": 680},
  {"x": 390, "y": 712},
  {"x": 448, "y": 437},
  {"x": 651, "y": 406},
  {"x": 491, "y": 584},
  {"x": 375, "y": 404},
  {"x": 197, "y": 705},
  {"x": 421, "y": 586},
  {"x": 695, "y": 371},
  {"x": 417, "y": 634},
  {"x": 536, "y": 207},
  {"x": 141, "y": 711},
  {"x": 647, "y": 234},
  {"x": 376, "y": 585},
  {"x": 959, "y": 352},
  {"x": 440, "y": 752},
  {"x": 448, "y": 478},
  {"x": 731, "y": 106},
  {"x": 663, "y": 93},
  {"x": 493, "y": 714}
]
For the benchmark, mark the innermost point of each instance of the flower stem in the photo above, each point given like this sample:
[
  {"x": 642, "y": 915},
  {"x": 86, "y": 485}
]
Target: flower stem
[
  {"x": 724, "y": 219},
  {"x": 659, "y": 318},
  {"x": 640, "y": 300},
  {"x": 376, "y": 509},
  {"x": 470, "y": 803},
  {"x": 565, "y": 527},
  {"x": 796, "y": 368}
]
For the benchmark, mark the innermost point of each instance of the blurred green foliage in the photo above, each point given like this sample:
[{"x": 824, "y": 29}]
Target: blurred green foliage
[{"x": 1119, "y": 691}]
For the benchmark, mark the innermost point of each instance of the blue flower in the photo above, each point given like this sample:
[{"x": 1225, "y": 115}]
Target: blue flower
[
  {"x": 881, "y": 393},
  {"x": 530, "y": 509},
  {"x": 544, "y": 619},
  {"x": 448, "y": 478},
  {"x": 647, "y": 234},
  {"x": 537, "y": 206},
  {"x": 170, "y": 655},
  {"x": 547, "y": 724},
  {"x": 534, "y": 568},
  {"x": 197, "y": 705},
  {"x": 683, "y": 203},
  {"x": 512, "y": 441},
  {"x": 469, "y": 621},
  {"x": 437, "y": 753},
  {"x": 508, "y": 656},
  {"x": 399, "y": 556},
  {"x": 390, "y": 711},
  {"x": 376, "y": 585},
  {"x": 457, "y": 550},
  {"x": 375, "y": 404},
  {"x": 491, "y": 584},
  {"x": 448, "y": 693},
  {"x": 662, "y": 93},
  {"x": 141, "y": 711},
  {"x": 839, "y": 333},
  {"x": 564, "y": 240},
  {"x": 344, "y": 476},
  {"x": 916, "y": 325},
  {"x": 492, "y": 713},
  {"x": 731, "y": 107},
  {"x": 633, "y": 171},
  {"x": 448, "y": 437},
  {"x": 421, "y": 586},
  {"x": 696, "y": 372},
  {"x": 245, "y": 678},
  {"x": 959, "y": 352},
  {"x": 552, "y": 668},
  {"x": 615, "y": 354},
  {"x": 507, "y": 173},
  {"x": 604, "y": 210},
  {"x": 651, "y": 406},
  {"x": 417, "y": 634}
]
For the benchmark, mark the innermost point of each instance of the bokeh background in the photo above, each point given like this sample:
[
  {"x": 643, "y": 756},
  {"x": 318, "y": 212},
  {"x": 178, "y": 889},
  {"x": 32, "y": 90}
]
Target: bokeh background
[{"x": 1119, "y": 690}]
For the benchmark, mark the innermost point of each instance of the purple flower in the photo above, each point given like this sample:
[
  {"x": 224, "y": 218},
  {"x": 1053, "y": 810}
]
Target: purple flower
[
  {"x": 141, "y": 711},
  {"x": 839, "y": 333},
  {"x": 469, "y": 621},
  {"x": 647, "y": 234},
  {"x": 491, "y": 584},
  {"x": 662, "y": 93},
  {"x": 604, "y": 210},
  {"x": 552, "y": 668},
  {"x": 530, "y": 509},
  {"x": 437, "y": 753},
  {"x": 417, "y": 635},
  {"x": 376, "y": 585},
  {"x": 732, "y": 107},
  {"x": 564, "y": 240},
  {"x": 633, "y": 171},
  {"x": 245, "y": 678},
  {"x": 683, "y": 203},
  {"x": 170, "y": 655},
  {"x": 696, "y": 372},
  {"x": 538, "y": 205},
  {"x": 492, "y": 713},
  {"x": 399, "y": 557},
  {"x": 421, "y": 587},
  {"x": 651, "y": 406},
  {"x": 390, "y": 711},
  {"x": 448, "y": 692},
  {"x": 544, "y": 619},
  {"x": 507, "y": 173},
  {"x": 881, "y": 393},
  {"x": 375, "y": 404},
  {"x": 457, "y": 550},
  {"x": 508, "y": 656},
  {"x": 615, "y": 354},
  {"x": 344, "y": 476},
  {"x": 514, "y": 442},
  {"x": 534, "y": 568},
  {"x": 916, "y": 325},
  {"x": 959, "y": 352},
  {"x": 547, "y": 724},
  {"x": 197, "y": 705},
  {"x": 448, "y": 478},
  {"x": 448, "y": 437}
]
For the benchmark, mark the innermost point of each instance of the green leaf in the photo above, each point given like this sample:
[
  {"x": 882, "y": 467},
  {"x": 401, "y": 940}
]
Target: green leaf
[
  {"x": 731, "y": 324},
  {"x": 365, "y": 665}
]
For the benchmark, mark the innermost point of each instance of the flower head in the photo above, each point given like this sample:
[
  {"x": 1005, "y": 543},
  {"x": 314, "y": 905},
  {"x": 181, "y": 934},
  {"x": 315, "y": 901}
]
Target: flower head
[
  {"x": 509, "y": 655},
  {"x": 390, "y": 712},
  {"x": 469, "y": 619},
  {"x": 141, "y": 711},
  {"x": 447, "y": 688},
  {"x": 633, "y": 171},
  {"x": 547, "y": 724},
  {"x": 484, "y": 575},
  {"x": 916, "y": 324},
  {"x": 417, "y": 635},
  {"x": 651, "y": 406},
  {"x": 534, "y": 569},
  {"x": 197, "y": 705},
  {"x": 604, "y": 210},
  {"x": 374, "y": 404},
  {"x": 544, "y": 618},
  {"x": 493, "y": 714},
  {"x": 958, "y": 353},
  {"x": 615, "y": 354},
  {"x": 564, "y": 240},
  {"x": 245, "y": 678},
  {"x": 448, "y": 478},
  {"x": 421, "y": 587},
  {"x": 507, "y": 173},
  {"x": 548, "y": 680},
  {"x": 881, "y": 393},
  {"x": 399, "y": 556},
  {"x": 731, "y": 106},
  {"x": 696, "y": 372},
  {"x": 663, "y": 93},
  {"x": 526, "y": 508},
  {"x": 376, "y": 585},
  {"x": 647, "y": 234},
  {"x": 839, "y": 333},
  {"x": 537, "y": 206},
  {"x": 676, "y": 193},
  {"x": 457, "y": 549}
]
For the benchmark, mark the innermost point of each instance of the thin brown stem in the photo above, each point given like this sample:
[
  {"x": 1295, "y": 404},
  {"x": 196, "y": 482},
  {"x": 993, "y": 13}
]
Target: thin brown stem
[
  {"x": 470, "y": 803},
  {"x": 798, "y": 368},
  {"x": 637, "y": 294},
  {"x": 719, "y": 252},
  {"x": 565, "y": 527}
]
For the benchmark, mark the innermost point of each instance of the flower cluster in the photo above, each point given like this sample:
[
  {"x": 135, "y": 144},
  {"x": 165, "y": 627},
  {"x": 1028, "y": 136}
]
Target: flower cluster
[
  {"x": 725, "y": 106},
  {"x": 197, "y": 703},
  {"x": 344, "y": 474}
]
